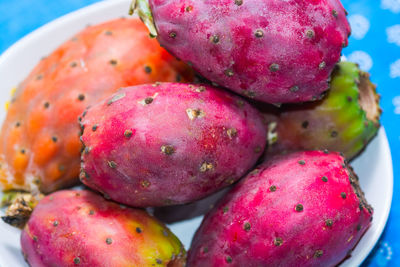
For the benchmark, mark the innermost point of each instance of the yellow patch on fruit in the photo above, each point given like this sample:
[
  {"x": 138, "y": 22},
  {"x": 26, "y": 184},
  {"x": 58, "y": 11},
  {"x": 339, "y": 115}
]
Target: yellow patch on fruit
[
  {"x": 155, "y": 242},
  {"x": 12, "y": 93}
]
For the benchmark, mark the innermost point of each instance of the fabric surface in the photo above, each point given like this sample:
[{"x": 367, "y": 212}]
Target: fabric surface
[{"x": 374, "y": 44}]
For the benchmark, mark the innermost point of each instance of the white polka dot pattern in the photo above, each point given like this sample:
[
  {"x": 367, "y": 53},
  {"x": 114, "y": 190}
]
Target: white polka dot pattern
[
  {"x": 392, "y": 5},
  {"x": 395, "y": 69},
  {"x": 362, "y": 58},
  {"x": 393, "y": 34},
  {"x": 359, "y": 26}
]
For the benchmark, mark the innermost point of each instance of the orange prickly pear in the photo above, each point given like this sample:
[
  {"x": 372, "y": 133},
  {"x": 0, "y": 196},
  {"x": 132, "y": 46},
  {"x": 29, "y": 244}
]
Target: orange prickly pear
[{"x": 39, "y": 143}]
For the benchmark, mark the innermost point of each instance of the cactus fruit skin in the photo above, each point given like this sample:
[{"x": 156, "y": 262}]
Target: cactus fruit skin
[
  {"x": 302, "y": 209},
  {"x": 345, "y": 120},
  {"x": 80, "y": 228},
  {"x": 40, "y": 144},
  {"x": 273, "y": 51},
  {"x": 169, "y": 143}
]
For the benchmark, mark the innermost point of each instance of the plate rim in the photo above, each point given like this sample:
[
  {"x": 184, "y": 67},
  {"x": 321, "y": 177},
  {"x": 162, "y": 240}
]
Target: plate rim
[
  {"x": 38, "y": 32},
  {"x": 360, "y": 258}
]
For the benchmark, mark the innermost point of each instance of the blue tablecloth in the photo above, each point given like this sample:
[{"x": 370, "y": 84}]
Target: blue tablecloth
[{"x": 374, "y": 44}]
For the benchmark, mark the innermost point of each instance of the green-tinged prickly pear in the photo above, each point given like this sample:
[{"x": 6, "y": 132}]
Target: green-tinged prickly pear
[
  {"x": 345, "y": 120},
  {"x": 81, "y": 228}
]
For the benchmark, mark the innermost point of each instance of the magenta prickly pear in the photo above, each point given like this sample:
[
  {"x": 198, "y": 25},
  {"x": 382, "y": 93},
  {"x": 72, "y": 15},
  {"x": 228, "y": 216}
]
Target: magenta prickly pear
[
  {"x": 272, "y": 50},
  {"x": 169, "y": 143},
  {"x": 302, "y": 209}
]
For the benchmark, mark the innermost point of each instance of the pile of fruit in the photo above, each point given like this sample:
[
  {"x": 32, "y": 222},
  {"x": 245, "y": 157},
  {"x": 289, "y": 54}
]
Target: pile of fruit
[{"x": 251, "y": 95}]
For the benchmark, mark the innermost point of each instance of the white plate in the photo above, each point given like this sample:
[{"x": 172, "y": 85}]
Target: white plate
[{"x": 374, "y": 166}]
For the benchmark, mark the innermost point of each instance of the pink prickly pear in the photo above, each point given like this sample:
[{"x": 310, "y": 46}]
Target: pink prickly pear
[{"x": 302, "y": 209}]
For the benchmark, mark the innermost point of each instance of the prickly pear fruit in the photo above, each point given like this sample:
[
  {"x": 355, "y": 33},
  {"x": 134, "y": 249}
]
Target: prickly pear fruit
[
  {"x": 345, "y": 120},
  {"x": 272, "y": 50},
  {"x": 80, "y": 228},
  {"x": 169, "y": 143},
  {"x": 40, "y": 137},
  {"x": 302, "y": 209}
]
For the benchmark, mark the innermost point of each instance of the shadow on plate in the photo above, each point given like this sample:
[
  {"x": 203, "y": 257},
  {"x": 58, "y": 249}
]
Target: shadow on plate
[{"x": 172, "y": 214}]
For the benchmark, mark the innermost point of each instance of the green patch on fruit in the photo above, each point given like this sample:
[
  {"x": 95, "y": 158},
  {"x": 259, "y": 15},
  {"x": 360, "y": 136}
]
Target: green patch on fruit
[{"x": 355, "y": 98}]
